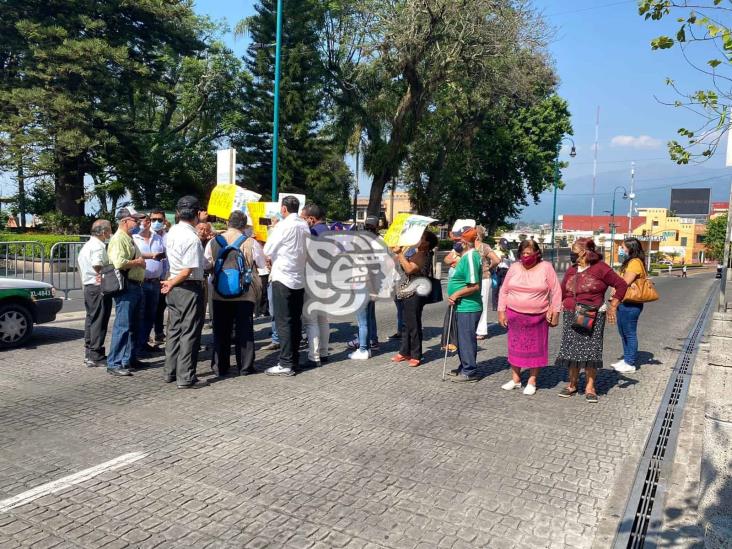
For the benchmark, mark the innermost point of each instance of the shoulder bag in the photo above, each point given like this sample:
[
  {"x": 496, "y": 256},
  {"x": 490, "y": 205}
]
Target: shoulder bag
[
  {"x": 114, "y": 280},
  {"x": 435, "y": 295},
  {"x": 585, "y": 315},
  {"x": 642, "y": 290}
]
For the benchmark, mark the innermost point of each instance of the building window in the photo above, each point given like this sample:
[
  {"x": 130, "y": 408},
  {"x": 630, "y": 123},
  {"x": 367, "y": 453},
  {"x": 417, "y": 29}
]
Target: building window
[
  {"x": 700, "y": 239},
  {"x": 683, "y": 241},
  {"x": 655, "y": 223}
]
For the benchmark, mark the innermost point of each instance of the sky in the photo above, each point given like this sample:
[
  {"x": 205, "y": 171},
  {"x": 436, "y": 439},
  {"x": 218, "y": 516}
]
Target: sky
[{"x": 602, "y": 54}]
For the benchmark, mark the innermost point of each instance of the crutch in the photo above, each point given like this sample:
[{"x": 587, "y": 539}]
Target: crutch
[{"x": 447, "y": 343}]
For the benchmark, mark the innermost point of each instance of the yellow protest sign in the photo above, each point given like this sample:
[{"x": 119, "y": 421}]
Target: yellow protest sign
[
  {"x": 226, "y": 198},
  {"x": 258, "y": 211},
  {"x": 406, "y": 230}
]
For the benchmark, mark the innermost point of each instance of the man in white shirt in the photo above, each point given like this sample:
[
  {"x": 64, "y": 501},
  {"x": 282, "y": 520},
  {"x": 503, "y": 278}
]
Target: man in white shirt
[
  {"x": 92, "y": 257},
  {"x": 287, "y": 251},
  {"x": 185, "y": 297},
  {"x": 152, "y": 250}
]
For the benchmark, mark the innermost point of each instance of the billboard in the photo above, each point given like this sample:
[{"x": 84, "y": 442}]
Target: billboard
[{"x": 690, "y": 202}]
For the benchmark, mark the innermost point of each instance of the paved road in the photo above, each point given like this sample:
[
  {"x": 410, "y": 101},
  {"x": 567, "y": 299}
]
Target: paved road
[{"x": 366, "y": 454}]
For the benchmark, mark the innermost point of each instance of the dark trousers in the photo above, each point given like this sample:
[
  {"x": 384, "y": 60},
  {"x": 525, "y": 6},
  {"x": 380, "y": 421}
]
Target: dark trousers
[
  {"x": 262, "y": 308},
  {"x": 467, "y": 324},
  {"x": 98, "y": 308},
  {"x": 185, "y": 322},
  {"x": 148, "y": 310},
  {"x": 160, "y": 318},
  {"x": 229, "y": 314},
  {"x": 500, "y": 276},
  {"x": 412, "y": 334},
  {"x": 287, "y": 304}
]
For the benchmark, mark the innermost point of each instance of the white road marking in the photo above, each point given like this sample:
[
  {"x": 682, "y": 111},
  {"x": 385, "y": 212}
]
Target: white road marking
[{"x": 66, "y": 482}]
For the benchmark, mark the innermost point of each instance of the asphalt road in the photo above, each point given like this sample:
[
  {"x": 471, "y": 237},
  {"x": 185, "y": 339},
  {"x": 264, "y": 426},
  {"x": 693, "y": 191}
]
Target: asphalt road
[{"x": 354, "y": 454}]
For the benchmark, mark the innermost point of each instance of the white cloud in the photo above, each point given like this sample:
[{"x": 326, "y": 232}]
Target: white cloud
[{"x": 640, "y": 142}]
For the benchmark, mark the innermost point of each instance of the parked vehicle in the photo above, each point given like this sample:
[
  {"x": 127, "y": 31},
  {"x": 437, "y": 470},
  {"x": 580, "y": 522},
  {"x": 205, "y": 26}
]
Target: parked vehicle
[{"x": 24, "y": 303}]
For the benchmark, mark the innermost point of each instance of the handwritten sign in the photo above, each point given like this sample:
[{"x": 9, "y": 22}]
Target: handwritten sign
[
  {"x": 258, "y": 211},
  {"x": 227, "y": 198},
  {"x": 406, "y": 230}
]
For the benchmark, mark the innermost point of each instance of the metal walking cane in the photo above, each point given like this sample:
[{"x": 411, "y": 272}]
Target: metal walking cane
[{"x": 447, "y": 343}]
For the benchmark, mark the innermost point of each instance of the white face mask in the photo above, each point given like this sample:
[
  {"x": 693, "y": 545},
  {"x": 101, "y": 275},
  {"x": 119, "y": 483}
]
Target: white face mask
[{"x": 157, "y": 226}]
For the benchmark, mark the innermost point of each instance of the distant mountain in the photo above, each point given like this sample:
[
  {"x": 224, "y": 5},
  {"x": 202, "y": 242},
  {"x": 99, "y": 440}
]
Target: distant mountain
[{"x": 653, "y": 186}]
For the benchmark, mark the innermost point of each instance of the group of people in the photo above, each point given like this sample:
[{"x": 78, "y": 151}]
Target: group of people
[{"x": 185, "y": 268}]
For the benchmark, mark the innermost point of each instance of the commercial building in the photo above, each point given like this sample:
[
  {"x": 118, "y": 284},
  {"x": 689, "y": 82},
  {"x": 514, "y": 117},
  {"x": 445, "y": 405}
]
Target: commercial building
[
  {"x": 680, "y": 238},
  {"x": 391, "y": 205}
]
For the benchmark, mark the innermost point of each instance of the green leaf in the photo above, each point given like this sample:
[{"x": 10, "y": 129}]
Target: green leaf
[
  {"x": 714, "y": 63},
  {"x": 681, "y": 35},
  {"x": 662, "y": 43}
]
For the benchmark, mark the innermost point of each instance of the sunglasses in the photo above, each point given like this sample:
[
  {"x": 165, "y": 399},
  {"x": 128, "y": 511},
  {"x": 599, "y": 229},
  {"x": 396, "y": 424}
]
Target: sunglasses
[{"x": 157, "y": 219}]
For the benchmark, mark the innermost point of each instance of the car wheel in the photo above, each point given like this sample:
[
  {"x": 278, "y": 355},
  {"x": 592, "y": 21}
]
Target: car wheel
[{"x": 16, "y": 325}]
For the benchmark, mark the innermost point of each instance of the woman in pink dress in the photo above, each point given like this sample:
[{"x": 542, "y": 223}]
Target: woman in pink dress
[{"x": 529, "y": 302}]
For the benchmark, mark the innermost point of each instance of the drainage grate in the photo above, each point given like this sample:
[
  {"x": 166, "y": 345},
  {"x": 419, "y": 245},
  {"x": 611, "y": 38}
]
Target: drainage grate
[{"x": 642, "y": 518}]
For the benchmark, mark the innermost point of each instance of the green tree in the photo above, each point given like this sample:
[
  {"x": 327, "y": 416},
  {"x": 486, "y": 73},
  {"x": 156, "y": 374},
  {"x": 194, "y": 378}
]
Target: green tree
[
  {"x": 309, "y": 160},
  {"x": 68, "y": 71},
  {"x": 389, "y": 62},
  {"x": 704, "y": 37},
  {"x": 715, "y": 237}
]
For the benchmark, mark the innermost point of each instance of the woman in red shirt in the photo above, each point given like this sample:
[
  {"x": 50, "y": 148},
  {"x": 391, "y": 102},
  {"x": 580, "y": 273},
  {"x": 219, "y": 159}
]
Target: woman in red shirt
[{"x": 586, "y": 282}]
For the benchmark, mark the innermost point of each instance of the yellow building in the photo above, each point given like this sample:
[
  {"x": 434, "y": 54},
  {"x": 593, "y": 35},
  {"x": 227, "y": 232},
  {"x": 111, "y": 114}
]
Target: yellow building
[
  {"x": 677, "y": 237},
  {"x": 400, "y": 202}
]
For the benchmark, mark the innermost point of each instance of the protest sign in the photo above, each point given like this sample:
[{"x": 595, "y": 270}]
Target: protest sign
[
  {"x": 227, "y": 198},
  {"x": 258, "y": 211},
  {"x": 406, "y": 230}
]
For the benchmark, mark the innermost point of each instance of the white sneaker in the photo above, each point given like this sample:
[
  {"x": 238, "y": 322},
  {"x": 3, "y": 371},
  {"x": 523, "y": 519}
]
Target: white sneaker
[
  {"x": 358, "y": 354},
  {"x": 279, "y": 371},
  {"x": 618, "y": 363},
  {"x": 529, "y": 389},
  {"x": 624, "y": 368},
  {"x": 511, "y": 385}
]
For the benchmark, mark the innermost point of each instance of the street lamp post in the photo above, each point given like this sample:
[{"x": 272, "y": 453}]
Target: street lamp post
[
  {"x": 572, "y": 154},
  {"x": 612, "y": 223},
  {"x": 276, "y": 124}
]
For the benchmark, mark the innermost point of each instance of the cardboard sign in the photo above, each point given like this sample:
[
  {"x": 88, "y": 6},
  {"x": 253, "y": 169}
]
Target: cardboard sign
[
  {"x": 407, "y": 230},
  {"x": 229, "y": 198},
  {"x": 259, "y": 210},
  {"x": 300, "y": 197}
]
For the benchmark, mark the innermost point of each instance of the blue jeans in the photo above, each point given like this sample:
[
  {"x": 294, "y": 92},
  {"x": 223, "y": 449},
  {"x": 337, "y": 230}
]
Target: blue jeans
[
  {"x": 628, "y": 314},
  {"x": 467, "y": 324},
  {"x": 122, "y": 348},
  {"x": 275, "y": 335},
  {"x": 366, "y": 317},
  {"x": 148, "y": 311}
]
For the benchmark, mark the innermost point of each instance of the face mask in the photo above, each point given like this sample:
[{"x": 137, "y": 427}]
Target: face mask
[
  {"x": 573, "y": 257},
  {"x": 135, "y": 230},
  {"x": 529, "y": 261},
  {"x": 157, "y": 226},
  {"x": 622, "y": 253},
  {"x": 458, "y": 247}
]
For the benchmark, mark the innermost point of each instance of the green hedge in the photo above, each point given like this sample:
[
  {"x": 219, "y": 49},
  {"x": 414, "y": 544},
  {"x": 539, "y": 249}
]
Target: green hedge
[{"x": 46, "y": 240}]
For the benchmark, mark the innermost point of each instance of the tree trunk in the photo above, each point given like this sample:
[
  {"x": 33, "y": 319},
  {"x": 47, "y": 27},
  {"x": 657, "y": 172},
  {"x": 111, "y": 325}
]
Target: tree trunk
[
  {"x": 377, "y": 192},
  {"x": 70, "y": 186},
  {"x": 21, "y": 193}
]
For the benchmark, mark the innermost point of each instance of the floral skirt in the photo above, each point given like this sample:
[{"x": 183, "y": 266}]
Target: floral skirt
[
  {"x": 528, "y": 340},
  {"x": 579, "y": 349}
]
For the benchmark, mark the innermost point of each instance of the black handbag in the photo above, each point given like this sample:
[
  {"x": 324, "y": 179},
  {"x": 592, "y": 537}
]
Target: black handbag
[
  {"x": 584, "y": 316},
  {"x": 114, "y": 280},
  {"x": 435, "y": 295}
]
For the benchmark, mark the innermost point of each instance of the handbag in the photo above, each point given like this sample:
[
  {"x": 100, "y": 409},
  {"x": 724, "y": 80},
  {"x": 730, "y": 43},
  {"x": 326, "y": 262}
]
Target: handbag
[
  {"x": 642, "y": 290},
  {"x": 584, "y": 315},
  {"x": 435, "y": 295},
  {"x": 114, "y": 280}
]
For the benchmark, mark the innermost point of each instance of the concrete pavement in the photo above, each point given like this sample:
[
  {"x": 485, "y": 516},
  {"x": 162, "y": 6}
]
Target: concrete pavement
[{"x": 355, "y": 454}]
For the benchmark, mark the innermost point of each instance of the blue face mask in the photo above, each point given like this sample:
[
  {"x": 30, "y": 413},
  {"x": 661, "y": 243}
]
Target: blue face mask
[
  {"x": 136, "y": 230},
  {"x": 622, "y": 253},
  {"x": 157, "y": 226},
  {"x": 458, "y": 247}
]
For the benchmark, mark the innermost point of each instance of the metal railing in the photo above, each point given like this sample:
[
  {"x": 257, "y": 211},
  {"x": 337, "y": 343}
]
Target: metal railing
[
  {"x": 22, "y": 259},
  {"x": 63, "y": 266}
]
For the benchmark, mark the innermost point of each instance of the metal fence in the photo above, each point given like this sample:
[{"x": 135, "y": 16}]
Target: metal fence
[
  {"x": 63, "y": 266},
  {"x": 22, "y": 259}
]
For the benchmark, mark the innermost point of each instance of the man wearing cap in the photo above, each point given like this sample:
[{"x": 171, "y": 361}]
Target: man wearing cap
[
  {"x": 464, "y": 294},
  {"x": 125, "y": 257},
  {"x": 286, "y": 248},
  {"x": 184, "y": 295}
]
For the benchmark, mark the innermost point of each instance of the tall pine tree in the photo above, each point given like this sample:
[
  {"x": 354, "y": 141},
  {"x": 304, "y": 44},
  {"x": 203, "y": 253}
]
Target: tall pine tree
[{"x": 309, "y": 161}]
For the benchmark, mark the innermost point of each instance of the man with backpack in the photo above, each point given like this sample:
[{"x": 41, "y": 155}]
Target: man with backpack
[{"x": 236, "y": 289}]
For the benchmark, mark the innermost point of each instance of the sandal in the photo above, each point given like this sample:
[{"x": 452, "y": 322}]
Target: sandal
[
  {"x": 399, "y": 358},
  {"x": 481, "y": 337},
  {"x": 566, "y": 393},
  {"x": 591, "y": 398},
  {"x": 414, "y": 362}
]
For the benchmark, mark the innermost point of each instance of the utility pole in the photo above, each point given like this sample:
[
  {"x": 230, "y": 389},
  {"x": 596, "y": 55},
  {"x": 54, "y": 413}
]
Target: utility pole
[
  {"x": 276, "y": 125},
  {"x": 594, "y": 163}
]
